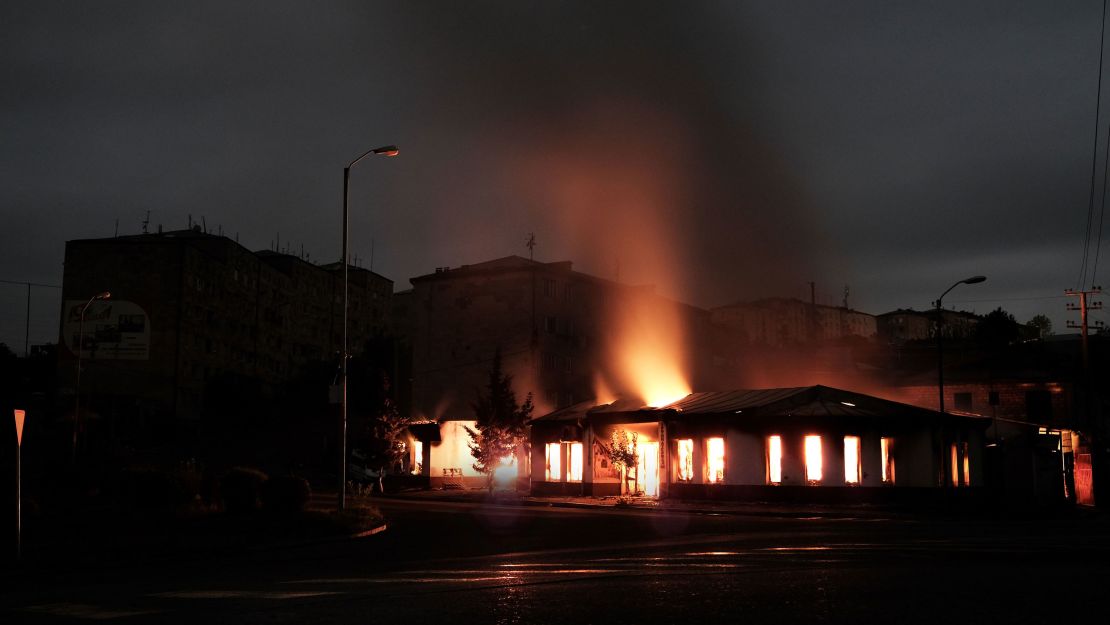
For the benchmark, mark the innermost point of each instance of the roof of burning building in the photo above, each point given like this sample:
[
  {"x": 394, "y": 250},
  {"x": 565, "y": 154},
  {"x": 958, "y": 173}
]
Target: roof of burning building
[{"x": 796, "y": 401}]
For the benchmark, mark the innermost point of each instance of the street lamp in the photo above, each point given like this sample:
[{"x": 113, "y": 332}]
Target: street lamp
[
  {"x": 385, "y": 150},
  {"x": 940, "y": 335},
  {"x": 81, "y": 348}
]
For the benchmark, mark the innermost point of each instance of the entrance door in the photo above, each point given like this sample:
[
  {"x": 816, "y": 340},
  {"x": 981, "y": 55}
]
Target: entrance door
[{"x": 648, "y": 468}]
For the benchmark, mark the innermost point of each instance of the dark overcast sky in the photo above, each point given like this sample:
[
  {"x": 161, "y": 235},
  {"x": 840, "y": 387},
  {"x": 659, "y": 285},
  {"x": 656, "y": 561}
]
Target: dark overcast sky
[{"x": 724, "y": 150}]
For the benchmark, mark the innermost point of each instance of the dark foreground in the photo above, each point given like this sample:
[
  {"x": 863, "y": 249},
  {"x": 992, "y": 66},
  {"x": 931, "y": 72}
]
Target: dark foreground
[{"x": 463, "y": 563}]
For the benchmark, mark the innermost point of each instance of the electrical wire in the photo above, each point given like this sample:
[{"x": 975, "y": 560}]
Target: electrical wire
[{"x": 1094, "y": 155}]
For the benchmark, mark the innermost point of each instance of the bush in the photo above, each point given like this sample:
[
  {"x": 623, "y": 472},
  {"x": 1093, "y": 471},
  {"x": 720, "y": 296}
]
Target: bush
[
  {"x": 155, "y": 488},
  {"x": 240, "y": 489},
  {"x": 285, "y": 494}
]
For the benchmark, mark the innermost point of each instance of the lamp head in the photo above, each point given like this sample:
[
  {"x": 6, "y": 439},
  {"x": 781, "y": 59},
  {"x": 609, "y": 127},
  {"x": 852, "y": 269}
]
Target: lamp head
[
  {"x": 974, "y": 280},
  {"x": 104, "y": 295},
  {"x": 387, "y": 150}
]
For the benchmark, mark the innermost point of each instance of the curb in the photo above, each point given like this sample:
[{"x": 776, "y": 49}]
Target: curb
[{"x": 785, "y": 514}]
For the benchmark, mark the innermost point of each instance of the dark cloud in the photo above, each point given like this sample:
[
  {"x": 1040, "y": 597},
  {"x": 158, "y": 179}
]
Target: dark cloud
[{"x": 722, "y": 150}]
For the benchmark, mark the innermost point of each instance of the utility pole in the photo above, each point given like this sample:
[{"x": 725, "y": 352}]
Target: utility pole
[
  {"x": 1083, "y": 306},
  {"x": 1090, "y": 420}
]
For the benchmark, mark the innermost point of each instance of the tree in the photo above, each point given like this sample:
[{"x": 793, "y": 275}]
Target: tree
[
  {"x": 997, "y": 329},
  {"x": 623, "y": 455},
  {"x": 383, "y": 439},
  {"x": 499, "y": 422},
  {"x": 1040, "y": 326}
]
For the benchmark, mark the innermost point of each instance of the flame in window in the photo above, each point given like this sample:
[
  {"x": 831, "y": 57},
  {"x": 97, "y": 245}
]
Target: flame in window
[
  {"x": 851, "y": 460},
  {"x": 554, "y": 469},
  {"x": 813, "y": 458},
  {"x": 715, "y": 460},
  {"x": 887, "y": 445},
  {"x": 774, "y": 459},
  {"x": 685, "y": 459},
  {"x": 575, "y": 468}
]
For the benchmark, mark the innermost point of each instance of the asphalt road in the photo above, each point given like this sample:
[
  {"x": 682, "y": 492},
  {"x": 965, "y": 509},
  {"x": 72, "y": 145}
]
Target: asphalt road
[{"x": 472, "y": 563}]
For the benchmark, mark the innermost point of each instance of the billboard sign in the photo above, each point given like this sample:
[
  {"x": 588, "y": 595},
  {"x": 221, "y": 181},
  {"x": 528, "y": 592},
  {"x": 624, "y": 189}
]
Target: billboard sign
[{"x": 114, "y": 329}]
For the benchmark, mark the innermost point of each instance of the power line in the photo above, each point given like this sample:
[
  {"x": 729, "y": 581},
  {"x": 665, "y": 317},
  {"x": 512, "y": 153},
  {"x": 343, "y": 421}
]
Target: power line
[
  {"x": 25, "y": 283},
  {"x": 1094, "y": 154},
  {"x": 1007, "y": 299}
]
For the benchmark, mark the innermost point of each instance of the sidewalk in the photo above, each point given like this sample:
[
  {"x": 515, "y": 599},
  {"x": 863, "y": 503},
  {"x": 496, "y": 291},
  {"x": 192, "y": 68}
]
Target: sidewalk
[
  {"x": 783, "y": 510},
  {"x": 759, "y": 509}
]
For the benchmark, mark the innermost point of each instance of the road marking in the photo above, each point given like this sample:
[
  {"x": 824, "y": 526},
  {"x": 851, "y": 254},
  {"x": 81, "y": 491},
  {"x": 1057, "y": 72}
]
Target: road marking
[{"x": 85, "y": 611}]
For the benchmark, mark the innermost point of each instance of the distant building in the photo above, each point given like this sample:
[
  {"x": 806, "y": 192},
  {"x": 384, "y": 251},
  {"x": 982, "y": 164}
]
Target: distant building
[
  {"x": 554, "y": 326},
  {"x": 190, "y": 309},
  {"x": 905, "y": 325},
  {"x": 779, "y": 322}
]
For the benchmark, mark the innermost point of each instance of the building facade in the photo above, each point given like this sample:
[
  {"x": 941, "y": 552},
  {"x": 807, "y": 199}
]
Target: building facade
[
  {"x": 780, "y": 322},
  {"x": 555, "y": 329},
  {"x": 809, "y": 443},
  {"x": 189, "y": 308}
]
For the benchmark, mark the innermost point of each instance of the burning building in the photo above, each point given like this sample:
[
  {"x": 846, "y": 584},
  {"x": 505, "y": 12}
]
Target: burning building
[{"x": 808, "y": 443}]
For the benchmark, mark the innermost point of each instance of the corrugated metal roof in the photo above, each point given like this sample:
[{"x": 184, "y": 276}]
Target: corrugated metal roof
[{"x": 796, "y": 401}]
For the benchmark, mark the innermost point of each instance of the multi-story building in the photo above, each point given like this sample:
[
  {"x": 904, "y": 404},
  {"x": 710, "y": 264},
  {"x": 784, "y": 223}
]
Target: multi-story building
[
  {"x": 779, "y": 322},
  {"x": 904, "y": 325},
  {"x": 189, "y": 308},
  {"x": 556, "y": 329}
]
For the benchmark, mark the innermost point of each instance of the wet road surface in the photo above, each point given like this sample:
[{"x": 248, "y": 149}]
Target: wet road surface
[{"x": 450, "y": 562}]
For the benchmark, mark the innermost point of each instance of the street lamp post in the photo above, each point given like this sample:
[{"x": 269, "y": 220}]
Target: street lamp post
[
  {"x": 387, "y": 150},
  {"x": 80, "y": 349},
  {"x": 940, "y": 335}
]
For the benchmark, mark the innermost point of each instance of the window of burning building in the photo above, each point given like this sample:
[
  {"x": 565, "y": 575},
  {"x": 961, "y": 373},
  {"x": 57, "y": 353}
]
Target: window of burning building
[
  {"x": 813, "y": 459},
  {"x": 417, "y": 457},
  {"x": 715, "y": 460},
  {"x": 852, "y": 468},
  {"x": 553, "y": 472},
  {"x": 774, "y": 459},
  {"x": 887, "y": 448},
  {"x": 961, "y": 465},
  {"x": 685, "y": 464},
  {"x": 574, "y": 469}
]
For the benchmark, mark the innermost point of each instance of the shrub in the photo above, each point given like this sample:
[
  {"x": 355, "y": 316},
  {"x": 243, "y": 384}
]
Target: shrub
[
  {"x": 155, "y": 488},
  {"x": 240, "y": 489},
  {"x": 285, "y": 494}
]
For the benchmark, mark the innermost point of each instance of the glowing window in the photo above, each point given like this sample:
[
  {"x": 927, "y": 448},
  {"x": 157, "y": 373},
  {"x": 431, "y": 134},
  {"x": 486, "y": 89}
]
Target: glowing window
[
  {"x": 575, "y": 468},
  {"x": 553, "y": 451},
  {"x": 417, "y": 457},
  {"x": 685, "y": 459},
  {"x": 887, "y": 445},
  {"x": 851, "y": 460},
  {"x": 813, "y": 459},
  {"x": 965, "y": 477},
  {"x": 774, "y": 459},
  {"x": 955, "y": 466},
  {"x": 715, "y": 460}
]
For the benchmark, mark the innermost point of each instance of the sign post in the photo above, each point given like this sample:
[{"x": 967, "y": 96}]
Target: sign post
[{"x": 20, "y": 415}]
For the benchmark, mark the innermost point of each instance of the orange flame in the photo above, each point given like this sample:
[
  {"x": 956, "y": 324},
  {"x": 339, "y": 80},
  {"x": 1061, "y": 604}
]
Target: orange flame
[{"x": 649, "y": 351}]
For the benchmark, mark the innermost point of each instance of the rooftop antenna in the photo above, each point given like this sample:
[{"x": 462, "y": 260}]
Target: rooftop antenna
[
  {"x": 845, "y": 295},
  {"x": 531, "y": 245},
  {"x": 146, "y": 222},
  {"x": 117, "y": 228},
  {"x": 190, "y": 221}
]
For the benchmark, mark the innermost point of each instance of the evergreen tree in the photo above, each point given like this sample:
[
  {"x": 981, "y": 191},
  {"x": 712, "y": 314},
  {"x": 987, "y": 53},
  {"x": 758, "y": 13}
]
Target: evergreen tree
[{"x": 499, "y": 422}]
